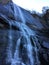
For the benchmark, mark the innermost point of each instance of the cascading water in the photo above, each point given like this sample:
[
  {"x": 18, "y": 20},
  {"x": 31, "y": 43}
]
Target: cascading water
[
  {"x": 10, "y": 44},
  {"x": 21, "y": 15},
  {"x": 24, "y": 36},
  {"x": 21, "y": 55}
]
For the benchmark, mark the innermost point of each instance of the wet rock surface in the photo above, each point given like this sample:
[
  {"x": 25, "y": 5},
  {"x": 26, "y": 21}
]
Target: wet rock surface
[{"x": 22, "y": 40}]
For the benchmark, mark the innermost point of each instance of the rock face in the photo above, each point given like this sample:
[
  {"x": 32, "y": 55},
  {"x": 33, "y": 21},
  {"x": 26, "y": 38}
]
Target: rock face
[{"x": 24, "y": 39}]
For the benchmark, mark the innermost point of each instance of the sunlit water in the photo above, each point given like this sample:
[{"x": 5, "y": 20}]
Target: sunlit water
[{"x": 26, "y": 55}]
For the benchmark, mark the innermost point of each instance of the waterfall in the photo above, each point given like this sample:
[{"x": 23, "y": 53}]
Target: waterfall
[
  {"x": 10, "y": 44},
  {"x": 21, "y": 15},
  {"x": 14, "y": 59}
]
